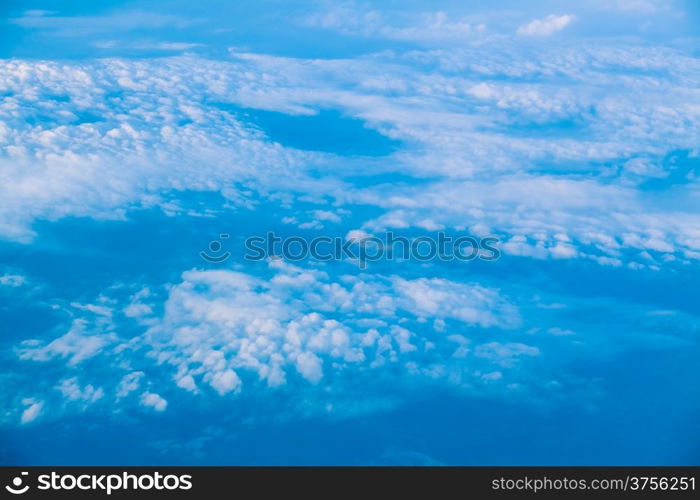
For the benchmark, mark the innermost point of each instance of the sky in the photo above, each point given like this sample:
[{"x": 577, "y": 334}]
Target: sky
[{"x": 133, "y": 134}]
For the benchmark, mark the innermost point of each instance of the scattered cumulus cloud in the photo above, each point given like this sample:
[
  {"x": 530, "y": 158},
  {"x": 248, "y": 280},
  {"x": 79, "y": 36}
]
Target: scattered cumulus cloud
[
  {"x": 228, "y": 334},
  {"x": 153, "y": 400}
]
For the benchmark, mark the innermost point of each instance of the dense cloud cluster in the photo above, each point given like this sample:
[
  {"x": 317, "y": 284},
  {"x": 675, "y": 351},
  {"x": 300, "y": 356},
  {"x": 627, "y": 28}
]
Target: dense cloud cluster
[
  {"x": 224, "y": 330},
  {"x": 564, "y": 156}
]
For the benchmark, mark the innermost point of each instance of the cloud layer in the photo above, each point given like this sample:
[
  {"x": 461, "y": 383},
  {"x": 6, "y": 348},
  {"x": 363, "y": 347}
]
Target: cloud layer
[{"x": 569, "y": 135}]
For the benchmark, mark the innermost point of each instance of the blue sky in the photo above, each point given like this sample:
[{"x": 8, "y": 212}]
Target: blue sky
[{"x": 134, "y": 133}]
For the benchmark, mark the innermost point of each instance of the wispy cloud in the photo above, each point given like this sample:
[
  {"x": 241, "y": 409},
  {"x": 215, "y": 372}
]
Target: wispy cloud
[
  {"x": 78, "y": 26},
  {"x": 546, "y": 26}
]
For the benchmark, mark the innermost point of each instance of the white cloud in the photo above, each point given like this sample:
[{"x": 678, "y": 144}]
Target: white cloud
[
  {"x": 169, "y": 46},
  {"x": 228, "y": 332},
  {"x": 78, "y": 26},
  {"x": 71, "y": 390},
  {"x": 472, "y": 304},
  {"x": 129, "y": 383},
  {"x": 32, "y": 412},
  {"x": 301, "y": 337},
  {"x": 12, "y": 280},
  {"x": 93, "y": 151},
  {"x": 221, "y": 328},
  {"x": 432, "y": 27},
  {"x": 225, "y": 381},
  {"x": 547, "y": 26},
  {"x": 78, "y": 344},
  {"x": 93, "y": 308},
  {"x": 310, "y": 366},
  {"x": 153, "y": 400},
  {"x": 474, "y": 122},
  {"x": 505, "y": 354},
  {"x": 552, "y": 147},
  {"x": 137, "y": 310},
  {"x": 536, "y": 212},
  {"x": 326, "y": 215},
  {"x": 187, "y": 382}
]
